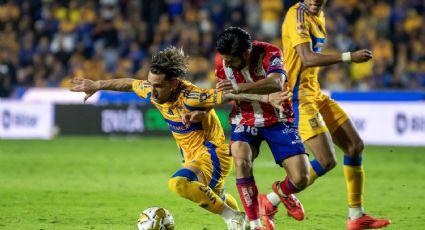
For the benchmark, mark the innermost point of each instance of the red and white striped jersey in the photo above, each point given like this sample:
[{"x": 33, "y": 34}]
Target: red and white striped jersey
[{"x": 266, "y": 59}]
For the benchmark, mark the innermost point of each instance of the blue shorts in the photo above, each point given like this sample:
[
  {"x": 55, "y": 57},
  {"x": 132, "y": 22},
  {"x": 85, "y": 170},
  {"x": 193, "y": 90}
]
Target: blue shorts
[{"x": 282, "y": 138}]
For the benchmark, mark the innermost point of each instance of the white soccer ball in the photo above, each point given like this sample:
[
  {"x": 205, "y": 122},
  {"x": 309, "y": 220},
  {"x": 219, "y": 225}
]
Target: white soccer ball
[{"x": 155, "y": 218}]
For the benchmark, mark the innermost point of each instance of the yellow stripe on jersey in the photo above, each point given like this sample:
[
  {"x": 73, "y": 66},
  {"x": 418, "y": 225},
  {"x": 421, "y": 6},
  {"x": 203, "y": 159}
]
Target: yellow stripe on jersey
[
  {"x": 193, "y": 138},
  {"x": 300, "y": 26}
]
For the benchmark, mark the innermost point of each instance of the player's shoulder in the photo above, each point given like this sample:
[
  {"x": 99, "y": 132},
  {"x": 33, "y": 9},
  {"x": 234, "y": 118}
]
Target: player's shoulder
[
  {"x": 265, "y": 46},
  {"x": 219, "y": 67},
  {"x": 266, "y": 49},
  {"x": 299, "y": 12},
  {"x": 190, "y": 91}
]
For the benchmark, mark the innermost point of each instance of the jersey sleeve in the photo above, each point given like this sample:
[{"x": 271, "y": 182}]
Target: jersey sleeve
[
  {"x": 142, "y": 88},
  {"x": 273, "y": 61},
  {"x": 298, "y": 26},
  {"x": 202, "y": 99}
]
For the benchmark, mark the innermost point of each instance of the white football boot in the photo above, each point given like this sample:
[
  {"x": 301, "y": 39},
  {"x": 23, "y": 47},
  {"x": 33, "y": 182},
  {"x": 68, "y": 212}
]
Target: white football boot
[{"x": 238, "y": 222}]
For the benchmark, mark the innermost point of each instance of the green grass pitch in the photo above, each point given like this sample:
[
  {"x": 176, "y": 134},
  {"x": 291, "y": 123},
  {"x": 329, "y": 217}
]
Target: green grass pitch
[{"x": 103, "y": 183}]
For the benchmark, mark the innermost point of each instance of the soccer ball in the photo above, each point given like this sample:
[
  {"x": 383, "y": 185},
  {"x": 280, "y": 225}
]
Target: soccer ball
[{"x": 155, "y": 218}]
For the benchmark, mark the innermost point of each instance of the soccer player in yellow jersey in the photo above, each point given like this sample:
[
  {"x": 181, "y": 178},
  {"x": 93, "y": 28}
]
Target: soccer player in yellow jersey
[
  {"x": 321, "y": 121},
  {"x": 207, "y": 160}
]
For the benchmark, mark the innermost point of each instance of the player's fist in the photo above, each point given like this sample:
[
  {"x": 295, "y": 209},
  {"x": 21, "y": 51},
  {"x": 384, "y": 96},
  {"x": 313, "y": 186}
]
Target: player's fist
[
  {"x": 84, "y": 85},
  {"x": 227, "y": 85},
  {"x": 361, "y": 55}
]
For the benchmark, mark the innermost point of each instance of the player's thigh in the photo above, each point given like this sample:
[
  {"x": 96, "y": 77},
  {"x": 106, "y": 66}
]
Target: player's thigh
[
  {"x": 333, "y": 115},
  {"x": 297, "y": 168},
  {"x": 283, "y": 140},
  {"x": 245, "y": 142},
  {"x": 309, "y": 120},
  {"x": 348, "y": 139},
  {"x": 321, "y": 146},
  {"x": 208, "y": 166}
]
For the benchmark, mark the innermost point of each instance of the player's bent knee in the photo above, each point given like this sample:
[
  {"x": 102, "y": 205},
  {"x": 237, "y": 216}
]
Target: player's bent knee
[
  {"x": 357, "y": 148},
  {"x": 329, "y": 164},
  {"x": 300, "y": 181},
  {"x": 243, "y": 163},
  {"x": 178, "y": 185}
]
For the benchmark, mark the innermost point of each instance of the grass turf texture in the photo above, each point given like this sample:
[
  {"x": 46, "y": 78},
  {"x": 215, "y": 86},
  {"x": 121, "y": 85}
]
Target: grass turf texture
[{"x": 103, "y": 183}]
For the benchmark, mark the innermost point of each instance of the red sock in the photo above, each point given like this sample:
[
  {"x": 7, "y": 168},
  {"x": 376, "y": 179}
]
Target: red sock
[
  {"x": 287, "y": 187},
  {"x": 248, "y": 193}
]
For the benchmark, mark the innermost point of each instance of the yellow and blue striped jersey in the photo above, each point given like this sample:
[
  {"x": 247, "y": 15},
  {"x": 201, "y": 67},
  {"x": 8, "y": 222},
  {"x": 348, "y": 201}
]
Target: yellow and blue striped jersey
[
  {"x": 188, "y": 97},
  {"x": 301, "y": 26}
]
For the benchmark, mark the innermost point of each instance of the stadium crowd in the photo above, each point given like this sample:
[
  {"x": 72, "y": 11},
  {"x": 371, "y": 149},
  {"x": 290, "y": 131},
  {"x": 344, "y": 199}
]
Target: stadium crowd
[{"x": 43, "y": 43}]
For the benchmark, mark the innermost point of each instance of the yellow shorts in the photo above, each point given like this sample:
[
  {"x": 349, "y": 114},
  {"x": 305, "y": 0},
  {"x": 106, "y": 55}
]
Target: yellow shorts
[
  {"x": 318, "y": 115},
  {"x": 215, "y": 163}
]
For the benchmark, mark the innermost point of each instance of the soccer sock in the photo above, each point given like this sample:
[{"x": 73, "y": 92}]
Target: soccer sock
[
  {"x": 286, "y": 188},
  {"x": 354, "y": 178},
  {"x": 273, "y": 198},
  {"x": 355, "y": 213},
  {"x": 248, "y": 193},
  {"x": 231, "y": 201},
  {"x": 316, "y": 171},
  {"x": 197, "y": 192}
]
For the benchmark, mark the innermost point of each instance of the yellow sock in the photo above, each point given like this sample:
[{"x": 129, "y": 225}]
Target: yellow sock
[
  {"x": 313, "y": 176},
  {"x": 231, "y": 202},
  {"x": 316, "y": 170},
  {"x": 197, "y": 192},
  {"x": 354, "y": 178}
]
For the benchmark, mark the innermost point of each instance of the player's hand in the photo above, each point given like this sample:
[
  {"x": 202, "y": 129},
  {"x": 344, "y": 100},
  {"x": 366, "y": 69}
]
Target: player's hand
[
  {"x": 193, "y": 117},
  {"x": 84, "y": 85},
  {"x": 361, "y": 55},
  {"x": 226, "y": 85},
  {"x": 278, "y": 98}
]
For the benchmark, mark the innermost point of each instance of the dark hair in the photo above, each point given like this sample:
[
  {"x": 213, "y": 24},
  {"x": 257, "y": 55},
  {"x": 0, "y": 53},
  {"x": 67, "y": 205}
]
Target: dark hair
[
  {"x": 233, "y": 41},
  {"x": 171, "y": 61}
]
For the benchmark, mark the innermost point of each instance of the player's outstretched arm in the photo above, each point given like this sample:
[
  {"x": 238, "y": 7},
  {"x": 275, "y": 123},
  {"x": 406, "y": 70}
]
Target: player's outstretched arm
[
  {"x": 311, "y": 59},
  {"x": 244, "y": 97},
  {"x": 274, "y": 99},
  {"x": 90, "y": 87}
]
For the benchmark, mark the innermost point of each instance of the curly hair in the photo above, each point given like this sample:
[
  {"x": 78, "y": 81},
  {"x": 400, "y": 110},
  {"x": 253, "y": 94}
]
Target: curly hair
[{"x": 171, "y": 61}]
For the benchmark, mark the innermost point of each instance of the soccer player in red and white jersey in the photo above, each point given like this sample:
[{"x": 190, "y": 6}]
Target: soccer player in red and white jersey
[{"x": 242, "y": 60}]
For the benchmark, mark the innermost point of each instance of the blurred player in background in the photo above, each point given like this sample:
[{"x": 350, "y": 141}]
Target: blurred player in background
[
  {"x": 206, "y": 157},
  {"x": 241, "y": 60},
  {"x": 321, "y": 121}
]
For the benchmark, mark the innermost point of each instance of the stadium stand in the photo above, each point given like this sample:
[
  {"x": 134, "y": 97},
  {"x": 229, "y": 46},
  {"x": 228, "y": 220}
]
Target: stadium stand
[{"x": 43, "y": 43}]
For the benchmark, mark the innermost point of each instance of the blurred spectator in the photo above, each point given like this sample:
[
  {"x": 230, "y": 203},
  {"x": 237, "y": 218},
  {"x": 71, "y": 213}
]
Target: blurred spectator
[{"x": 45, "y": 43}]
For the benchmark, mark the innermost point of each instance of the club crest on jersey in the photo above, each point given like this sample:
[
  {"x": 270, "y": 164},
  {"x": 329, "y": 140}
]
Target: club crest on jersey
[
  {"x": 203, "y": 97},
  {"x": 239, "y": 129},
  {"x": 276, "y": 62}
]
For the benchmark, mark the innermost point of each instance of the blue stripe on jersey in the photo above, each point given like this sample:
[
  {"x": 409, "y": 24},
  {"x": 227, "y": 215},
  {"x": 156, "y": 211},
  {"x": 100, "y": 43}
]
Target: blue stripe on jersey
[
  {"x": 191, "y": 108},
  {"x": 317, "y": 43},
  {"x": 149, "y": 96},
  {"x": 191, "y": 176},
  {"x": 295, "y": 100},
  {"x": 181, "y": 152},
  {"x": 300, "y": 12},
  {"x": 352, "y": 161},
  {"x": 216, "y": 164},
  {"x": 179, "y": 127},
  {"x": 276, "y": 71}
]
